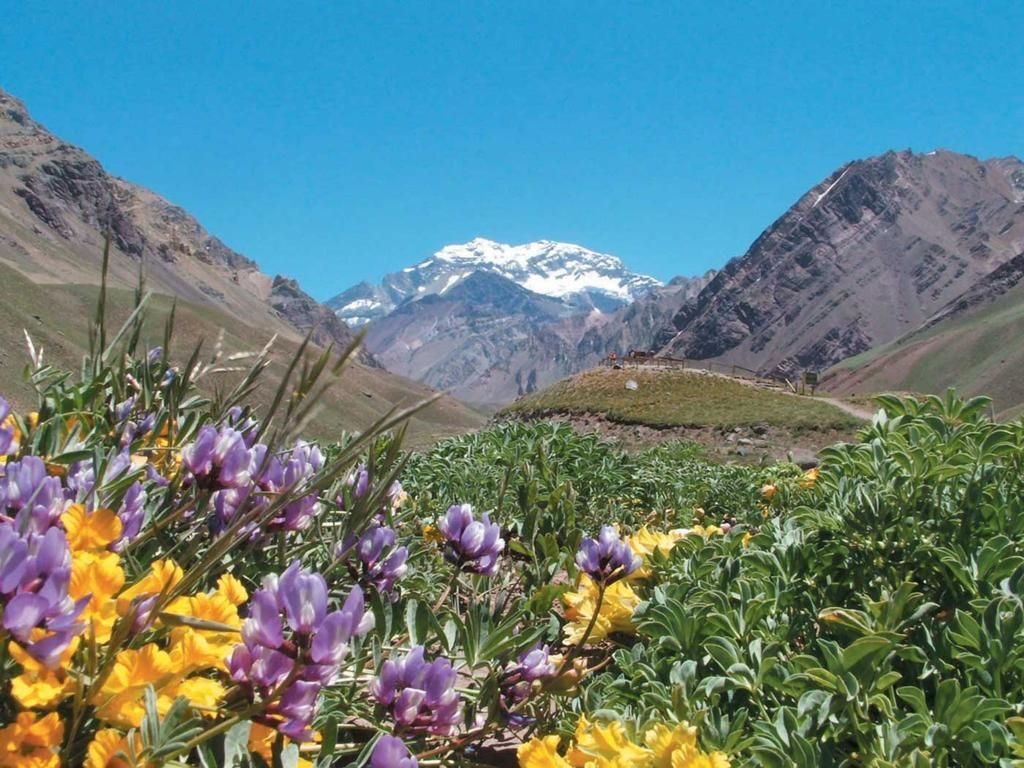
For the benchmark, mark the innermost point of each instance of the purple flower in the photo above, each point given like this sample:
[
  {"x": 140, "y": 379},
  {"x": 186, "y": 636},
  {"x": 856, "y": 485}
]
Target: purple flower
[
  {"x": 607, "y": 558},
  {"x": 35, "y": 571},
  {"x": 419, "y": 695},
  {"x": 292, "y": 646},
  {"x": 391, "y": 752},
  {"x": 382, "y": 562},
  {"x": 8, "y": 434},
  {"x": 123, "y": 409},
  {"x": 303, "y": 463},
  {"x": 303, "y": 596},
  {"x": 360, "y": 481},
  {"x": 240, "y": 421},
  {"x": 524, "y": 678},
  {"x": 474, "y": 545},
  {"x": 29, "y": 495},
  {"x": 132, "y": 513},
  {"x": 218, "y": 458}
]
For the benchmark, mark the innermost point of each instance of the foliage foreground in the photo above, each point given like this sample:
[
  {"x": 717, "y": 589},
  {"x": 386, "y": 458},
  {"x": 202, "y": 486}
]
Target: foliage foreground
[{"x": 185, "y": 582}]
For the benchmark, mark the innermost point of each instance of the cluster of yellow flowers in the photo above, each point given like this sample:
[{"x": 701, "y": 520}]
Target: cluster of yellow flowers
[
  {"x": 195, "y": 635},
  {"x": 597, "y": 746},
  {"x": 31, "y": 741},
  {"x": 620, "y": 600},
  {"x": 615, "y": 614}
]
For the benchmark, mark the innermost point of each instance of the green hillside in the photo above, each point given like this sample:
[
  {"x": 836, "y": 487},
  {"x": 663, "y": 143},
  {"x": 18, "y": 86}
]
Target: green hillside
[
  {"x": 681, "y": 399},
  {"x": 979, "y": 352},
  {"x": 57, "y": 318}
]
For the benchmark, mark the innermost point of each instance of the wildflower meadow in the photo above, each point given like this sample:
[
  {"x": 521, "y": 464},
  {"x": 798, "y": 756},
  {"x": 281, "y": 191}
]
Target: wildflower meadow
[{"x": 185, "y": 580}]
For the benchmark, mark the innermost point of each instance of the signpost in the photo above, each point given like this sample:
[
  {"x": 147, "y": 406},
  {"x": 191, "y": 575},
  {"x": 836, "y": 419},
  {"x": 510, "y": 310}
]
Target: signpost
[{"x": 810, "y": 380}]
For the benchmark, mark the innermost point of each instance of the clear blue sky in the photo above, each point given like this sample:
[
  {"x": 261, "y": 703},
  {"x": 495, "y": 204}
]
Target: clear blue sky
[{"x": 338, "y": 141}]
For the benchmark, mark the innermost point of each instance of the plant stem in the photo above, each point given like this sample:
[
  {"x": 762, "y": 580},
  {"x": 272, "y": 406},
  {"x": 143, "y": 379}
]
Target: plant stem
[{"x": 575, "y": 649}]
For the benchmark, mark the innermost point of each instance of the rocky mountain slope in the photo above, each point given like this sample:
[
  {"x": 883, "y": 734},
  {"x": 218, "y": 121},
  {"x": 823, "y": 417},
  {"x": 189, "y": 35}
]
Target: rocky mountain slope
[
  {"x": 641, "y": 325},
  {"x": 864, "y": 257},
  {"x": 580, "y": 278},
  {"x": 973, "y": 343},
  {"x": 489, "y": 322},
  {"x": 57, "y": 203},
  {"x": 486, "y": 340}
]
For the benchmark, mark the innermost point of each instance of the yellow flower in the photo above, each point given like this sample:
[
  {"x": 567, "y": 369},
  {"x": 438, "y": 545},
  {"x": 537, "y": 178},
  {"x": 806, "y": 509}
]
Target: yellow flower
[
  {"x": 768, "y": 491},
  {"x": 120, "y": 699},
  {"x": 432, "y": 534},
  {"x": 664, "y": 741},
  {"x": 570, "y": 677},
  {"x": 541, "y": 753},
  {"x": 810, "y": 478},
  {"x": 691, "y": 757},
  {"x": 202, "y": 692},
  {"x": 232, "y": 589},
  {"x": 98, "y": 575},
  {"x": 90, "y": 531},
  {"x": 204, "y": 647},
  {"x": 109, "y": 748},
  {"x": 261, "y": 742},
  {"x": 163, "y": 575},
  {"x": 746, "y": 538},
  {"x": 707, "y": 530},
  {"x": 645, "y": 541},
  {"x": 605, "y": 747},
  {"x": 615, "y": 614},
  {"x": 30, "y": 742},
  {"x": 38, "y": 686}
]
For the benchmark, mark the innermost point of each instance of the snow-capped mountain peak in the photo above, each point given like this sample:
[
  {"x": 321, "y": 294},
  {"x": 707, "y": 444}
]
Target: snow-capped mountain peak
[{"x": 582, "y": 278}]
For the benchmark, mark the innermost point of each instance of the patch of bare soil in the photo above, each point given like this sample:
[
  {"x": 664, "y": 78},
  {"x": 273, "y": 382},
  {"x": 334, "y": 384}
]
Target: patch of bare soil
[{"x": 756, "y": 444}]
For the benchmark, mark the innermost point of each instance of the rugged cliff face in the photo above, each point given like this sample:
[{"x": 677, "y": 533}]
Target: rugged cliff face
[
  {"x": 57, "y": 204},
  {"x": 487, "y": 340},
  {"x": 640, "y": 325},
  {"x": 864, "y": 257}
]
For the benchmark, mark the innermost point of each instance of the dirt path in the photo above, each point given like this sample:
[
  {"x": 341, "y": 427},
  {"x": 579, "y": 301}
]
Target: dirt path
[{"x": 856, "y": 411}]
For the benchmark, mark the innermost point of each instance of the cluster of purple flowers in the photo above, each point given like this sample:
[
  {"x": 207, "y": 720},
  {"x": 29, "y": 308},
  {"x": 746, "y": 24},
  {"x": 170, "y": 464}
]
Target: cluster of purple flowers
[
  {"x": 607, "y": 558},
  {"x": 35, "y": 571},
  {"x": 382, "y": 563},
  {"x": 419, "y": 695},
  {"x": 29, "y": 496},
  {"x": 473, "y": 545},
  {"x": 228, "y": 461},
  {"x": 291, "y": 646}
]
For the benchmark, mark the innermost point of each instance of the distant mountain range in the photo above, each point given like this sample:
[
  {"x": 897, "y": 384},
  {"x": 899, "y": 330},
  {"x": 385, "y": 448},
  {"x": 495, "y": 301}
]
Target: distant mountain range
[
  {"x": 579, "y": 278},
  {"x": 879, "y": 249},
  {"x": 489, "y": 321},
  {"x": 901, "y": 270}
]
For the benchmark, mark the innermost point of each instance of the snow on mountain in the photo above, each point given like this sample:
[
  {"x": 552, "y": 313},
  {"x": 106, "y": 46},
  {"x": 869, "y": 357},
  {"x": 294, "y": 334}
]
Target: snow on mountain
[{"x": 581, "y": 278}]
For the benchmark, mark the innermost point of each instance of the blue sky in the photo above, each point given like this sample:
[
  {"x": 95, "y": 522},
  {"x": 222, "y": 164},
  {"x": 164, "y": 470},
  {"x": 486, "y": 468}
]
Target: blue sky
[{"x": 338, "y": 141}]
